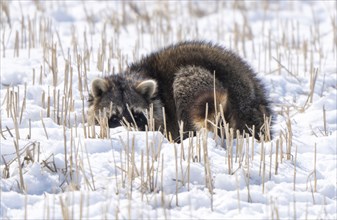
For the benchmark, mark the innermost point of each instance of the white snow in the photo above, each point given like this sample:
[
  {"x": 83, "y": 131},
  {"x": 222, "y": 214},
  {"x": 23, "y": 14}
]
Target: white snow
[{"x": 141, "y": 175}]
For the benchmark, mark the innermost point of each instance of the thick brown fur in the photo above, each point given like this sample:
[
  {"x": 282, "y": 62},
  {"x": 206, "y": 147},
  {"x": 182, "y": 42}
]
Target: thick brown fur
[{"x": 185, "y": 76}]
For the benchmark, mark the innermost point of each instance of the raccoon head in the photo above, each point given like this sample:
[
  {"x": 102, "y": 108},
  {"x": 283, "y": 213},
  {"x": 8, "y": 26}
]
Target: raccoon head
[{"x": 125, "y": 101}]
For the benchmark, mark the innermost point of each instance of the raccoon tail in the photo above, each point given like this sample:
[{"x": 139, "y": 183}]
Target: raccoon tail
[{"x": 218, "y": 104}]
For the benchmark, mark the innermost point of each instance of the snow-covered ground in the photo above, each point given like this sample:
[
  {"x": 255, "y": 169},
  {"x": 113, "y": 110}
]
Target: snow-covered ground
[{"x": 51, "y": 50}]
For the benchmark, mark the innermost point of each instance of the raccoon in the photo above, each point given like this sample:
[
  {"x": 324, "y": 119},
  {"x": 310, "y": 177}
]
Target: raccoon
[{"x": 184, "y": 78}]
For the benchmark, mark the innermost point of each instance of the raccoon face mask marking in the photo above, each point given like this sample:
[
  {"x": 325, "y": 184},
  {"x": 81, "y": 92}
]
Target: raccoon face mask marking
[
  {"x": 114, "y": 121},
  {"x": 137, "y": 118}
]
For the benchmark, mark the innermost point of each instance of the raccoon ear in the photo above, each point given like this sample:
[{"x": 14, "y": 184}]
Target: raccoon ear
[
  {"x": 147, "y": 88},
  {"x": 98, "y": 87}
]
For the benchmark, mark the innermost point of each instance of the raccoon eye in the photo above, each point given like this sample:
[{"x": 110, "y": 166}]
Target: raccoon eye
[
  {"x": 114, "y": 121},
  {"x": 140, "y": 120}
]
